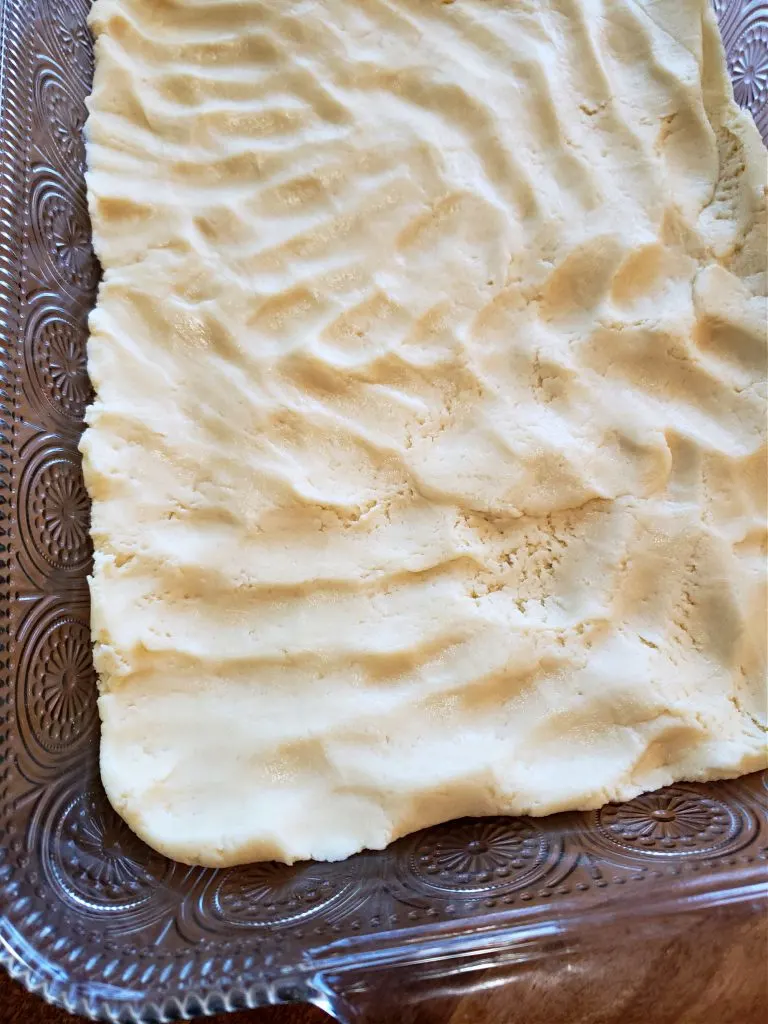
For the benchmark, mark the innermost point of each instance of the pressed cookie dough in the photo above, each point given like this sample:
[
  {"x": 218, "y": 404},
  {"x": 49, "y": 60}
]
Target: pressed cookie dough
[{"x": 427, "y": 458}]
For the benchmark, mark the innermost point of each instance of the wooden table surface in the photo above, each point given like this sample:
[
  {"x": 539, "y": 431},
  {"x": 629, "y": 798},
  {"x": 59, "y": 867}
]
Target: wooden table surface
[{"x": 700, "y": 967}]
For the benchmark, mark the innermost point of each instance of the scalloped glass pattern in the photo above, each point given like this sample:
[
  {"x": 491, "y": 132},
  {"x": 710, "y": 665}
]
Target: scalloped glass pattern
[{"x": 91, "y": 917}]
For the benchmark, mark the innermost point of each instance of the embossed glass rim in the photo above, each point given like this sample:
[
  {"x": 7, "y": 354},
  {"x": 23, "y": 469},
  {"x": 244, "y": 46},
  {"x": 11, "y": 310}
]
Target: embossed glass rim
[{"x": 527, "y": 928}]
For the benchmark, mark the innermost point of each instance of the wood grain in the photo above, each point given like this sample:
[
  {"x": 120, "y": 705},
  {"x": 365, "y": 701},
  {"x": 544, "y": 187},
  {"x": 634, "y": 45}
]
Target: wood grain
[
  {"x": 695, "y": 968},
  {"x": 686, "y": 968}
]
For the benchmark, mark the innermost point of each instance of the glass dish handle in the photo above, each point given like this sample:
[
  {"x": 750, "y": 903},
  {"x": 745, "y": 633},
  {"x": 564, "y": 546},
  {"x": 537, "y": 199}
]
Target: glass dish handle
[{"x": 688, "y": 963}]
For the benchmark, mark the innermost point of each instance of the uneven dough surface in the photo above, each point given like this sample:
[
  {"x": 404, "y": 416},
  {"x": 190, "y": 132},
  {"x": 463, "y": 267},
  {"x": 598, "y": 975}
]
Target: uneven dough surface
[{"x": 427, "y": 458}]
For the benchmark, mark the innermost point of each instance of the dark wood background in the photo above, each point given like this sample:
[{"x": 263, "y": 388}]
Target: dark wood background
[{"x": 702, "y": 967}]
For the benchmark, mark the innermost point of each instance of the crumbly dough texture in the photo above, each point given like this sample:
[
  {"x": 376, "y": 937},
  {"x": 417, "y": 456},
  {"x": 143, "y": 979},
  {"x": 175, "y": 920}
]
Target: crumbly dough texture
[{"x": 427, "y": 458}]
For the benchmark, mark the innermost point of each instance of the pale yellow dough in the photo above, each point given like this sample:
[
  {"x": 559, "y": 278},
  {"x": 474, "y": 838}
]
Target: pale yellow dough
[{"x": 427, "y": 455}]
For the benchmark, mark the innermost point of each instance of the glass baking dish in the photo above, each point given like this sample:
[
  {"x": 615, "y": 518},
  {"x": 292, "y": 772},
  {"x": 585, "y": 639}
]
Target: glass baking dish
[{"x": 98, "y": 923}]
